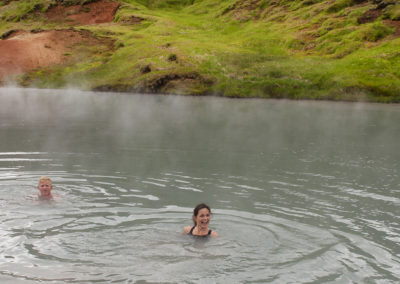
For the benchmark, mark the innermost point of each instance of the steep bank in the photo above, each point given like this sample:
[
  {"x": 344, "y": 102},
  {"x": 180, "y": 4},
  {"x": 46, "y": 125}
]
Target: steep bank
[{"x": 339, "y": 50}]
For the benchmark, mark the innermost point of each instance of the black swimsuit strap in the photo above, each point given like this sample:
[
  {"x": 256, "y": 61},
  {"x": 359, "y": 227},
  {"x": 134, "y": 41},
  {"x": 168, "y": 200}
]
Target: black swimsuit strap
[{"x": 191, "y": 232}]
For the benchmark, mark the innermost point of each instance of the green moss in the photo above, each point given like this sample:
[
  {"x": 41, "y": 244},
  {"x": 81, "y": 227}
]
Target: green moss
[
  {"x": 165, "y": 3},
  {"x": 338, "y": 6},
  {"x": 346, "y": 48},
  {"x": 312, "y": 49},
  {"x": 375, "y": 31},
  {"x": 17, "y": 11},
  {"x": 392, "y": 12}
]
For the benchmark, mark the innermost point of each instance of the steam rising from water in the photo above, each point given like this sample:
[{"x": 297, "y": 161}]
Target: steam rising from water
[
  {"x": 169, "y": 123},
  {"x": 301, "y": 191}
]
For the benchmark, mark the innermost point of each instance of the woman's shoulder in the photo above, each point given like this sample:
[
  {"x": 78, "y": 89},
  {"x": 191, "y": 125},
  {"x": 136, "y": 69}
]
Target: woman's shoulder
[{"x": 214, "y": 234}]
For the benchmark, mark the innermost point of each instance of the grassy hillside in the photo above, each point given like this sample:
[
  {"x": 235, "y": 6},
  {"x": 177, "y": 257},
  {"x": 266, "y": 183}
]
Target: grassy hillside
[{"x": 300, "y": 49}]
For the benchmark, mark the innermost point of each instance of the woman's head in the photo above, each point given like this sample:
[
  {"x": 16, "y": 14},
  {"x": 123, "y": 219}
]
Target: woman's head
[{"x": 201, "y": 214}]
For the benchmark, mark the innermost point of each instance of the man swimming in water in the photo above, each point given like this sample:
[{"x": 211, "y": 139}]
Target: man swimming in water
[{"x": 45, "y": 186}]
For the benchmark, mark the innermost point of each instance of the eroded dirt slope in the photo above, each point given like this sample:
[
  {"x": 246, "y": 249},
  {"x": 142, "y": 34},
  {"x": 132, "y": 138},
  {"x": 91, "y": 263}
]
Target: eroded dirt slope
[{"x": 23, "y": 51}]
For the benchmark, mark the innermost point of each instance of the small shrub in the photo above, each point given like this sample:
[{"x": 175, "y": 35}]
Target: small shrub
[
  {"x": 392, "y": 12},
  {"x": 7, "y": 34},
  {"x": 275, "y": 74},
  {"x": 263, "y": 4},
  {"x": 48, "y": 7},
  {"x": 346, "y": 48},
  {"x": 68, "y": 3},
  {"x": 85, "y": 2},
  {"x": 308, "y": 2},
  {"x": 71, "y": 12},
  {"x": 375, "y": 32},
  {"x": 359, "y": 1},
  {"x": 168, "y": 3},
  {"x": 172, "y": 57},
  {"x": 296, "y": 44},
  {"x": 119, "y": 44},
  {"x": 145, "y": 69},
  {"x": 85, "y": 9},
  {"x": 338, "y": 6},
  {"x": 328, "y": 47}
]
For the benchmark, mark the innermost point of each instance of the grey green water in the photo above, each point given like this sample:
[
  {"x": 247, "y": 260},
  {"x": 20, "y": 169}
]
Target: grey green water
[{"x": 302, "y": 192}]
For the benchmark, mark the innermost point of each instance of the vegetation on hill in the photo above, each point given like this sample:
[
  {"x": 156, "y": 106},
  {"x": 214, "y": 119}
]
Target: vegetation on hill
[{"x": 296, "y": 49}]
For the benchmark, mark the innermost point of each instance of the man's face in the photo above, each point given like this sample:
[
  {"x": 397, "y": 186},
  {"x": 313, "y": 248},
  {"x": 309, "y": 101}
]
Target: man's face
[{"x": 45, "y": 188}]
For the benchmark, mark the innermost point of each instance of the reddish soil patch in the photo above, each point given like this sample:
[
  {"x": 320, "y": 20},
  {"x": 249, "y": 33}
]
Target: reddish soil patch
[
  {"x": 93, "y": 13},
  {"x": 369, "y": 16},
  {"x": 395, "y": 24},
  {"x": 24, "y": 51},
  {"x": 373, "y": 14}
]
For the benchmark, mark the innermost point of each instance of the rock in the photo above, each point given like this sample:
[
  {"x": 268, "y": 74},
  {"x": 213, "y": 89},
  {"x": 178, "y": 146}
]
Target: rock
[{"x": 145, "y": 69}]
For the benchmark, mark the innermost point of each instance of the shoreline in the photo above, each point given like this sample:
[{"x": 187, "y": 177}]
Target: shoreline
[{"x": 110, "y": 92}]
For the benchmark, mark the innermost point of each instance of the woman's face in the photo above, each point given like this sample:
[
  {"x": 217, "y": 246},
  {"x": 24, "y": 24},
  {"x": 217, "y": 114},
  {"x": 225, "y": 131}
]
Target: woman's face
[{"x": 203, "y": 218}]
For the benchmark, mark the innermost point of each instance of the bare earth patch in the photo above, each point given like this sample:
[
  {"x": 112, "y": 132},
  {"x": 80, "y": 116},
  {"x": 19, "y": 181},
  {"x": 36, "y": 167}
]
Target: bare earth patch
[
  {"x": 22, "y": 51},
  {"x": 88, "y": 14},
  {"x": 396, "y": 25}
]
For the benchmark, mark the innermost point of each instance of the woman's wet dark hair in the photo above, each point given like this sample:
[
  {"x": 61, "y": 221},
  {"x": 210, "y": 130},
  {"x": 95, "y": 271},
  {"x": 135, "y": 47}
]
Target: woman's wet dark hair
[{"x": 198, "y": 208}]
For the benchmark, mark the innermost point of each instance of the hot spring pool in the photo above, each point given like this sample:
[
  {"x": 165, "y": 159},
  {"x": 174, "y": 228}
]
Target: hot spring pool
[{"x": 301, "y": 192}]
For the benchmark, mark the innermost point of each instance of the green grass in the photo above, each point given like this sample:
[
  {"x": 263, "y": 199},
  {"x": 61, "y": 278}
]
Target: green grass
[
  {"x": 392, "y": 12},
  {"x": 20, "y": 9},
  {"x": 311, "y": 49}
]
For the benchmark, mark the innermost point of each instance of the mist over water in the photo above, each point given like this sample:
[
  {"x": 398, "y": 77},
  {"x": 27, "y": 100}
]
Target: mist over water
[{"x": 302, "y": 192}]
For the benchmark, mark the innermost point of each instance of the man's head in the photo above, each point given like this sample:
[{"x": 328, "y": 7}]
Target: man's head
[{"x": 45, "y": 186}]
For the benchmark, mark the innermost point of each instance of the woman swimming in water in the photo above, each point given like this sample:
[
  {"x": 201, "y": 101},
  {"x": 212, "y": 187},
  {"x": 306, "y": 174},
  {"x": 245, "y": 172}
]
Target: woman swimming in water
[{"x": 201, "y": 219}]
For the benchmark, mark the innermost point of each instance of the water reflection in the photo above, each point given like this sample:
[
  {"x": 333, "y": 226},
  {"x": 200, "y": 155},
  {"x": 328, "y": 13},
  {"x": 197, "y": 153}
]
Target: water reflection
[{"x": 301, "y": 191}]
